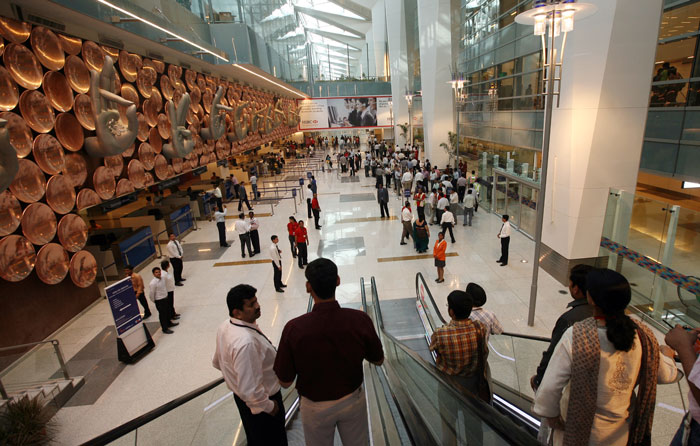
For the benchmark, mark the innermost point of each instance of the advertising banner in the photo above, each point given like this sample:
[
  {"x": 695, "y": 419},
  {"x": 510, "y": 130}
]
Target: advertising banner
[
  {"x": 127, "y": 316},
  {"x": 333, "y": 113}
]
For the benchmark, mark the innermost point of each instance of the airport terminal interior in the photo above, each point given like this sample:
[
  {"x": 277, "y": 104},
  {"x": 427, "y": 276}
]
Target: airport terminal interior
[{"x": 180, "y": 136}]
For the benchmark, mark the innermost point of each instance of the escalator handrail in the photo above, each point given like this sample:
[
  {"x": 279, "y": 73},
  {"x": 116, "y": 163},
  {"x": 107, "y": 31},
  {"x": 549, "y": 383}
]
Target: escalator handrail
[
  {"x": 491, "y": 417},
  {"x": 120, "y": 431}
]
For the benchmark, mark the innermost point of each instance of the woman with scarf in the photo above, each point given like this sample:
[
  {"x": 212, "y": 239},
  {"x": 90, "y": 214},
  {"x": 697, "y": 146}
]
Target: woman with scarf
[
  {"x": 421, "y": 234},
  {"x": 587, "y": 394}
]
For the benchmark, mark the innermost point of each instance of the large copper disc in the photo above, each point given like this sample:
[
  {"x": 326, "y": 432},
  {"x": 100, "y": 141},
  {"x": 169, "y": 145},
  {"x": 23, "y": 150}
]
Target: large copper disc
[
  {"x": 20, "y": 134},
  {"x": 52, "y": 263},
  {"x": 163, "y": 126},
  {"x": 87, "y": 198},
  {"x": 129, "y": 151},
  {"x": 159, "y": 66},
  {"x": 177, "y": 165},
  {"x": 39, "y": 223},
  {"x": 14, "y": 31},
  {"x": 150, "y": 112},
  {"x": 9, "y": 94},
  {"x": 72, "y": 232},
  {"x": 60, "y": 194},
  {"x": 69, "y": 132},
  {"x": 29, "y": 184},
  {"x": 207, "y": 99},
  {"x": 174, "y": 72},
  {"x": 155, "y": 140},
  {"x": 75, "y": 169},
  {"x": 93, "y": 55},
  {"x": 82, "y": 107},
  {"x": 17, "y": 258},
  {"x": 147, "y": 155},
  {"x": 161, "y": 167},
  {"x": 58, "y": 91},
  {"x": 83, "y": 269},
  {"x": 104, "y": 183},
  {"x": 48, "y": 154},
  {"x": 129, "y": 92},
  {"x": 115, "y": 164},
  {"x": 37, "y": 111},
  {"x": 23, "y": 66},
  {"x": 190, "y": 79},
  {"x": 2, "y": 46},
  {"x": 149, "y": 179},
  {"x": 10, "y": 213},
  {"x": 195, "y": 97},
  {"x": 124, "y": 187},
  {"x": 77, "y": 74},
  {"x": 144, "y": 81},
  {"x": 47, "y": 48},
  {"x": 129, "y": 65},
  {"x": 71, "y": 45},
  {"x": 109, "y": 51},
  {"x": 137, "y": 174},
  {"x": 156, "y": 98},
  {"x": 142, "y": 133}
]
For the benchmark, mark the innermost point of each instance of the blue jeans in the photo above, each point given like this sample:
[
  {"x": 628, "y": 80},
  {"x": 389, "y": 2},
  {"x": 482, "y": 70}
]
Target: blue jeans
[{"x": 693, "y": 439}]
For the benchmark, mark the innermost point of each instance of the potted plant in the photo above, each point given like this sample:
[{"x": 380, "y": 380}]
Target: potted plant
[
  {"x": 404, "y": 130},
  {"x": 26, "y": 422},
  {"x": 451, "y": 149}
]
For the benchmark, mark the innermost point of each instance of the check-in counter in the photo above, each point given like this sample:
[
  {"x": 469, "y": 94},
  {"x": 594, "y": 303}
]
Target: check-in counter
[
  {"x": 135, "y": 248},
  {"x": 152, "y": 216},
  {"x": 180, "y": 221}
]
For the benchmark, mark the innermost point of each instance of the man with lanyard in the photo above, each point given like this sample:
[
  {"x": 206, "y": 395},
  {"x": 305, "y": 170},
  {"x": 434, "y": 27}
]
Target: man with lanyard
[
  {"x": 254, "y": 235},
  {"x": 245, "y": 357},
  {"x": 242, "y": 228},
  {"x": 276, "y": 257},
  {"x": 217, "y": 196},
  {"x": 504, "y": 235},
  {"x": 220, "y": 218},
  {"x": 175, "y": 254},
  {"x": 159, "y": 296},
  {"x": 292, "y": 232},
  {"x": 442, "y": 204},
  {"x": 419, "y": 197},
  {"x": 302, "y": 240}
]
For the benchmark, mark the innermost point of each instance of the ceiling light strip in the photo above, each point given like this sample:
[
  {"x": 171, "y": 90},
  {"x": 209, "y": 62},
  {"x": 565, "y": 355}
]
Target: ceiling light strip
[
  {"x": 170, "y": 33},
  {"x": 270, "y": 81}
]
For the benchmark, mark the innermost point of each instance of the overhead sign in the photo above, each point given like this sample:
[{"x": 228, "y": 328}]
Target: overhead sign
[
  {"x": 133, "y": 339},
  {"x": 345, "y": 112}
]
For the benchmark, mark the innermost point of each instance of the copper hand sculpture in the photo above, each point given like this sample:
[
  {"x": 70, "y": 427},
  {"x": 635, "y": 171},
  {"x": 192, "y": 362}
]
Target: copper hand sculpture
[
  {"x": 9, "y": 165},
  {"x": 217, "y": 125},
  {"x": 182, "y": 141},
  {"x": 113, "y": 137}
]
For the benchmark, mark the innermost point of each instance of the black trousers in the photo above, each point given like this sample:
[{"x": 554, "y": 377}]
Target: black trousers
[
  {"x": 177, "y": 269},
  {"x": 293, "y": 245},
  {"x": 219, "y": 203},
  {"x": 244, "y": 200},
  {"x": 235, "y": 189},
  {"x": 221, "y": 226},
  {"x": 308, "y": 206},
  {"x": 171, "y": 303},
  {"x": 245, "y": 241},
  {"x": 317, "y": 216},
  {"x": 438, "y": 215},
  {"x": 164, "y": 316},
  {"x": 255, "y": 241},
  {"x": 144, "y": 303},
  {"x": 505, "y": 242},
  {"x": 384, "y": 208},
  {"x": 301, "y": 254},
  {"x": 277, "y": 276},
  {"x": 445, "y": 228},
  {"x": 460, "y": 192},
  {"x": 421, "y": 212},
  {"x": 263, "y": 429}
]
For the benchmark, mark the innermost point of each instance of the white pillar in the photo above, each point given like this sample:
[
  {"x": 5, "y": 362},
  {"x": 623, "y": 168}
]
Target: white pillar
[
  {"x": 598, "y": 129},
  {"x": 378, "y": 37},
  {"x": 435, "y": 42},
  {"x": 368, "y": 54},
  {"x": 398, "y": 63}
]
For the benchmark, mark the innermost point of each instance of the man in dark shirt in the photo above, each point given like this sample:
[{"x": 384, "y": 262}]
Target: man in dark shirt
[
  {"x": 324, "y": 350},
  {"x": 579, "y": 311}
]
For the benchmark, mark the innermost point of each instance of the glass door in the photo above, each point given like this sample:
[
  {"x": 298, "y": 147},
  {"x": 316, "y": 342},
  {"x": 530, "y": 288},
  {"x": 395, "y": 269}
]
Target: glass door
[
  {"x": 513, "y": 201},
  {"x": 528, "y": 209},
  {"x": 499, "y": 193}
]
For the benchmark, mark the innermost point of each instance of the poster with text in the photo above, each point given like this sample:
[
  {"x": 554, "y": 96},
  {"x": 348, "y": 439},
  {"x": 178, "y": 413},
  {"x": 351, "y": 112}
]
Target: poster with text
[
  {"x": 350, "y": 112},
  {"x": 122, "y": 301}
]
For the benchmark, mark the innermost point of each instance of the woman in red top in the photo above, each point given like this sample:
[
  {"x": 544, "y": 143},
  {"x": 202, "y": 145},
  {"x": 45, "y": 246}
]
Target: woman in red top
[
  {"x": 439, "y": 254},
  {"x": 292, "y": 230},
  {"x": 302, "y": 239},
  {"x": 316, "y": 209}
]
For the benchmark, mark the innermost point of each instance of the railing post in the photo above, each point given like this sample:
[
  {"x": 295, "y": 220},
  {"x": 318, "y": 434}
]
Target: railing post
[
  {"x": 59, "y": 355},
  {"x": 272, "y": 209},
  {"x": 160, "y": 250}
]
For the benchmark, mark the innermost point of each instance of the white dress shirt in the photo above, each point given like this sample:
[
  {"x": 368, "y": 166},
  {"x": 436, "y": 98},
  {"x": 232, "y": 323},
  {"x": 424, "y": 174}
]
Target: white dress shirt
[
  {"x": 217, "y": 192},
  {"x": 157, "y": 288},
  {"x": 246, "y": 357},
  {"x": 220, "y": 217},
  {"x": 174, "y": 249},
  {"x": 169, "y": 280},
  {"x": 447, "y": 185},
  {"x": 419, "y": 177},
  {"x": 469, "y": 201},
  {"x": 242, "y": 227},
  {"x": 454, "y": 198},
  {"x": 443, "y": 203},
  {"x": 254, "y": 224},
  {"x": 253, "y": 179},
  {"x": 447, "y": 217},
  {"x": 406, "y": 214},
  {"x": 275, "y": 255},
  {"x": 407, "y": 177},
  {"x": 505, "y": 230}
]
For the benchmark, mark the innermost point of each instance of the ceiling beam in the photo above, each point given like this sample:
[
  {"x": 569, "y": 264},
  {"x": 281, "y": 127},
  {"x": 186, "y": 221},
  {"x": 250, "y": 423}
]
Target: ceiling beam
[
  {"x": 356, "y": 27},
  {"x": 353, "y": 42},
  {"x": 355, "y": 8}
]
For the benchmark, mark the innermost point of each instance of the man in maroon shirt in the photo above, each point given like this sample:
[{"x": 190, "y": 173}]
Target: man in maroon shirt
[{"x": 324, "y": 350}]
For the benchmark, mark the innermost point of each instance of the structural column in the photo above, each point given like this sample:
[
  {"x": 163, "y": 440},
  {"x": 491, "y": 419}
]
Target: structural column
[
  {"x": 598, "y": 129},
  {"x": 435, "y": 65},
  {"x": 378, "y": 44},
  {"x": 398, "y": 62}
]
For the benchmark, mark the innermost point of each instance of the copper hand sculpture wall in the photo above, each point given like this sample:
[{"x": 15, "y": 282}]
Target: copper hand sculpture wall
[
  {"x": 113, "y": 137},
  {"x": 240, "y": 123},
  {"x": 182, "y": 140},
  {"x": 9, "y": 165},
  {"x": 217, "y": 125}
]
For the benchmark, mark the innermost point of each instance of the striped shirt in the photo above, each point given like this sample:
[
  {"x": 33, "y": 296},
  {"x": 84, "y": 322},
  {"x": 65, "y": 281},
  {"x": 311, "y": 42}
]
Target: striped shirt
[
  {"x": 488, "y": 319},
  {"x": 457, "y": 344}
]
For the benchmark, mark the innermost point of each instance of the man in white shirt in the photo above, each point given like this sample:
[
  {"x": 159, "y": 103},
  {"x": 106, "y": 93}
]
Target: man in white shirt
[
  {"x": 175, "y": 254},
  {"x": 220, "y": 218},
  {"x": 170, "y": 288},
  {"x": 406, "y": 180},
  {"x": 217, "y": 196},
  {"x": 469, "y": 201},
  {"x": 684, "y": 341},
  {"x": 406, "y": 220},
  {"x": 447, "y": 221},
  {"x": 245, "y": 357},
  {"x": 254, "y": 186},
  {"x": 158, "y": 293},
  {"x": 442, "y": 205},
  {"x": 276, "y": 257},
  {"x": 504, "y": 235},
  {"x": 254, "y": 235},
  {"x": 242, "y": 228}
]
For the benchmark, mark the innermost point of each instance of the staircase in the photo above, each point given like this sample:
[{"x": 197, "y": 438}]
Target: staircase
[{"x": 53, "y": 394}]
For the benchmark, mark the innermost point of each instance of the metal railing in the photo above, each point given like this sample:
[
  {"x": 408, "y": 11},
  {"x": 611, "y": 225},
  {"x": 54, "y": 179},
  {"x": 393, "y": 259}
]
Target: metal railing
[{"x": 57, "y": 350}]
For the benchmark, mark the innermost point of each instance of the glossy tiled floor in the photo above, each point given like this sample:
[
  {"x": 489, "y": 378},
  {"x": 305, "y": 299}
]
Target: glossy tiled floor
[{"x": 355, "y": 239}]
